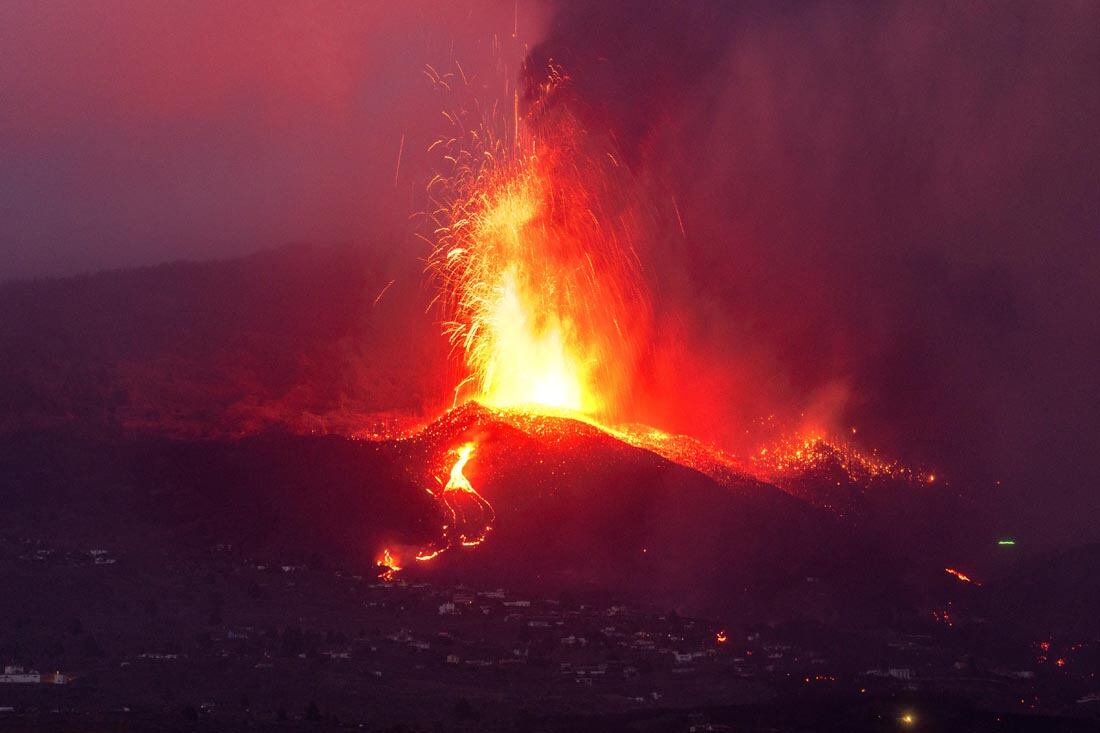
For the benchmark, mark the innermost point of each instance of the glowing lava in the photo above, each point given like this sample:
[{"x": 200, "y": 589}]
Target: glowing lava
[
  {"x": 457, "y": 480},
  {"x": 810, "y": 451},
  {"x": 387, "y": 566},
  {"x": 961, "y": 576},
  {"x": 468, "y": 516},
  {"x": 539, "y": 283}
]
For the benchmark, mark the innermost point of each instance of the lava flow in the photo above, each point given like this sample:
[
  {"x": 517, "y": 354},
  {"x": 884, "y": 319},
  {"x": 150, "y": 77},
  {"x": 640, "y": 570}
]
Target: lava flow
[{"x": 468, "y": 516}]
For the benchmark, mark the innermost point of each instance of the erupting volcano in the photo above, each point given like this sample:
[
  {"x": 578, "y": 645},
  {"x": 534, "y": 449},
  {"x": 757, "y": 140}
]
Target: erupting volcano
[
  {"x": 543, "y": 301},
  {"x": 549, "y": 365}
]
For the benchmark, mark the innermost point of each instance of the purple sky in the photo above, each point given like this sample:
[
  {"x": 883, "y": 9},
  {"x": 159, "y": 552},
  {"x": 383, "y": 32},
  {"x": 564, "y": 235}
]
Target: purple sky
[{"x": 134, "y": 132}]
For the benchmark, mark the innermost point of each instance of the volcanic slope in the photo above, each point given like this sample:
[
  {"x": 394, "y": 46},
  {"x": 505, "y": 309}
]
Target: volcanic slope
[{"x": 576, "y": 509}]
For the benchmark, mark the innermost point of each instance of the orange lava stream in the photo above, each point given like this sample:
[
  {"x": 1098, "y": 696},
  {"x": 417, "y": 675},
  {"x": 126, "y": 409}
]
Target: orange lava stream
[
  {"x": 457, "y": 480},
  {"x": 469, "y": 516}
]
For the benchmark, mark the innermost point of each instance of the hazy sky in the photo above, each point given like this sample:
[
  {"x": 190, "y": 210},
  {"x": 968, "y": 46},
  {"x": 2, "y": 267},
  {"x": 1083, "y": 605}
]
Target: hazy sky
[
  {"x": 133, "y": 132},
  {"x": 891, "y": 219}
]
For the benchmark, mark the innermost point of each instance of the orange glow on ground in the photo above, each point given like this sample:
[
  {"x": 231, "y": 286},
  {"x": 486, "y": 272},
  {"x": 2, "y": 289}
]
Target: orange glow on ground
[
  {"x": 468, "y": 516},
  {"x": 387, "y": 565}
]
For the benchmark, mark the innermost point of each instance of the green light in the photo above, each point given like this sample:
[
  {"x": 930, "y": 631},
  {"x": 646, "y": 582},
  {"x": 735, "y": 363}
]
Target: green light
[{"x": 1006, "y": 542}]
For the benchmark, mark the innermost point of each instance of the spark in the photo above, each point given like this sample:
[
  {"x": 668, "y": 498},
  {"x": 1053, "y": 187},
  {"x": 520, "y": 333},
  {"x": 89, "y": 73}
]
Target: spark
[
  {"x": 468, "y": 515},
  {"x": 383, "y": 291},
  {"x": 812, "y": 451},
  {"x": 536, "y": 282},
  {"x": 400, "y": 152}
]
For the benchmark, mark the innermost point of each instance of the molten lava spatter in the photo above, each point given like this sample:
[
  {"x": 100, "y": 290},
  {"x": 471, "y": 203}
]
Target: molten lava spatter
[
  {"x": 539, "y": 281},
  {"x": 810, "y": 451}
]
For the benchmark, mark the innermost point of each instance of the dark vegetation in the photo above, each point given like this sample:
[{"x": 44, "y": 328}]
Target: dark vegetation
[{"x": 290, "y": 337}]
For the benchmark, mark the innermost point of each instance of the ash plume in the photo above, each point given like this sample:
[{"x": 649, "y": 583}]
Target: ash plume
[{"x": 875, "y": 217}]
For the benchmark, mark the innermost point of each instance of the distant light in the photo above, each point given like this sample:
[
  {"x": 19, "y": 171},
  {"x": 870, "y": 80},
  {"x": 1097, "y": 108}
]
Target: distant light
[
  {"x": 1007, "y": 541},
  {"x": 907, "y": 719}
]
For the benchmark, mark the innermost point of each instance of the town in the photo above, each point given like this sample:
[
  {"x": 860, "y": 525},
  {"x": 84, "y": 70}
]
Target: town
[{"x": 232, "y": 637}]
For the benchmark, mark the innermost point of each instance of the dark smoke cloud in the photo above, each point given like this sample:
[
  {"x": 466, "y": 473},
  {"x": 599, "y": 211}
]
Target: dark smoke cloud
[{"x": 890, "y": 222}]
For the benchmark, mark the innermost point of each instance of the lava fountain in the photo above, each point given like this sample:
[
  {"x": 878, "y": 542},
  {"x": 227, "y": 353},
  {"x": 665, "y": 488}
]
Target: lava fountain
[{"x": 534, "y": 257}]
